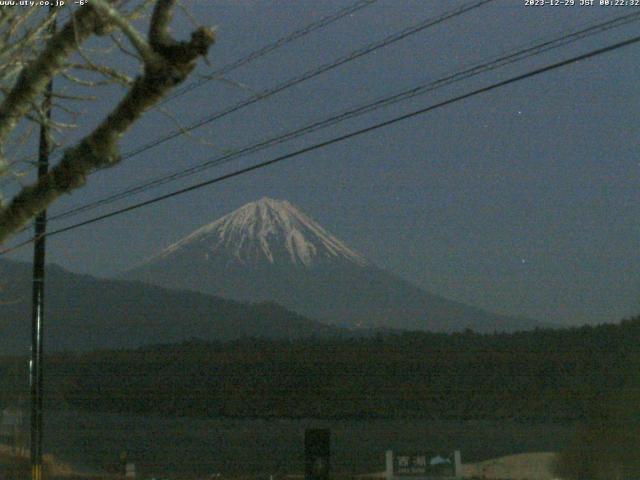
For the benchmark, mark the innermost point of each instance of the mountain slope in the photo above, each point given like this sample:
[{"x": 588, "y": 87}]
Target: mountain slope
[
  {"x": 270, "y": 251},
  {"x": 87, "y": 313}
]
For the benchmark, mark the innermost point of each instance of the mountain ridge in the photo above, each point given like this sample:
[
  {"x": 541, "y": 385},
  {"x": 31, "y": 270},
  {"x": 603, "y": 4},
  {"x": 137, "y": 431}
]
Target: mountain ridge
[
  {"x": 86, "y": 313},
  {"x": 250, "y": 255}
]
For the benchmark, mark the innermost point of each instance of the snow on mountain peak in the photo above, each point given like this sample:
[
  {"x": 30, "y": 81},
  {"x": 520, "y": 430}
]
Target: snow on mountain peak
[{"x": 271, "y": 230}]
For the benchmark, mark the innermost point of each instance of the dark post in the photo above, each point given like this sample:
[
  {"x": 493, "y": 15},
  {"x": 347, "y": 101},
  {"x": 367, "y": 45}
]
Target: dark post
[
  {"x": 317, "y": 453},
  {"x": 37, "y": 311}
]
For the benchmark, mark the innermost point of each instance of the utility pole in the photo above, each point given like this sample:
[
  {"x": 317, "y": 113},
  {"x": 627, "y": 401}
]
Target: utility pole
[{"x": 37, "y": 310}]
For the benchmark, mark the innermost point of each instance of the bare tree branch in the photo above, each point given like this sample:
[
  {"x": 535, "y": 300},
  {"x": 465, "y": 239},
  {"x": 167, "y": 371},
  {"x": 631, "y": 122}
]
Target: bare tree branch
[
  {"x": 36, "y": 75},
  {"x": 167, "y": 63},
  {"x": 136, "y": 39}
]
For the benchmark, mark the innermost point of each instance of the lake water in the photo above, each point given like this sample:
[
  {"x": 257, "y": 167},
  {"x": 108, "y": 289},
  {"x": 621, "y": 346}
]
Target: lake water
[{"x": 202, "y": 446}]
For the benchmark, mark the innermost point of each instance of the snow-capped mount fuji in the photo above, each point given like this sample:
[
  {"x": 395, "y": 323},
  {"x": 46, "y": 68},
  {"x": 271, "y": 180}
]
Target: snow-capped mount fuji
[
  {"x": 272, "y": 231},
  {"x": 269, "y": 250}
]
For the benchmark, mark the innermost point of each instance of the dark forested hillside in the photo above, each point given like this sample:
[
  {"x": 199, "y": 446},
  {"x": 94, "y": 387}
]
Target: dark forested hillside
[
  {"x": 540, "y": 375},
  {"x": 85, "y": 313}
]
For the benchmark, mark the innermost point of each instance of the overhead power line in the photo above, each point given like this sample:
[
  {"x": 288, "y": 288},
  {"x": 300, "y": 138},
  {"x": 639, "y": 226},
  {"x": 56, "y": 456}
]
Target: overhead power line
[
  {"x": 393, "y": 38},
  {"x": 372, "y": 47},
  {"x": 323, "y": 22},
  {"x": 477, "y": 69},
  {"x": 222, "y": 71},
  {"x": 342, "y": 138}
]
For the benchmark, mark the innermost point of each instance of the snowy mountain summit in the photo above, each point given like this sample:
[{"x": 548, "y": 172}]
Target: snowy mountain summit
[
  {"x": 266, "y": 230},
  {"x": 269, "y": 251}
]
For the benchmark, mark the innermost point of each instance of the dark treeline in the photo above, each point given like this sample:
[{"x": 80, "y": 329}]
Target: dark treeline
[{"x": 542, "y": 375}]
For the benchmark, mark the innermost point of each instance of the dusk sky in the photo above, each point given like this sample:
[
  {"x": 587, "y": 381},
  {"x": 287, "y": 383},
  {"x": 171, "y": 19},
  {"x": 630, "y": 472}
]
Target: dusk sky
[{"x": 523, "y": 200}]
